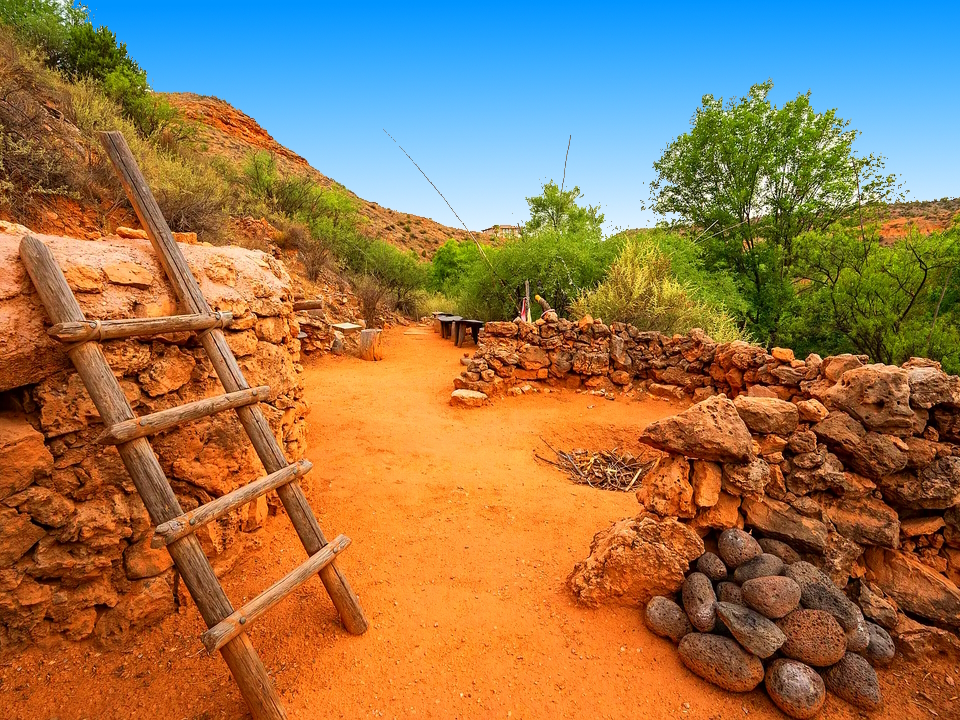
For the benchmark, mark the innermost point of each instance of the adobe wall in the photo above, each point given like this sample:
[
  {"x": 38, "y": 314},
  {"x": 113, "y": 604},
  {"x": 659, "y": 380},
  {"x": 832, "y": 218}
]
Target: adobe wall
[{"x": 75, "y": 556}]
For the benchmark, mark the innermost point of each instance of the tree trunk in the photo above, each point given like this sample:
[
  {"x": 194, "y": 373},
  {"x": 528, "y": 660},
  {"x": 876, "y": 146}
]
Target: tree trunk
[{"x": 370, "y": 348}]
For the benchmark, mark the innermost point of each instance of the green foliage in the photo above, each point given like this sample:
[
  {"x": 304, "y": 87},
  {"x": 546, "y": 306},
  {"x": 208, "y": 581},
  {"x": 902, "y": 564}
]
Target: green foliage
[
  {"x": 857, "y": 295},
  {"x": 753, "y": 177},
  {"x": 642, "y": 289},
  {"x": 556, "y": 210}
]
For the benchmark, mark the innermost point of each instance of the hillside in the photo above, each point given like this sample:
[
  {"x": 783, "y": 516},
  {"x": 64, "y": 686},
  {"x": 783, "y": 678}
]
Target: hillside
[{"x": 226, "y": 132}]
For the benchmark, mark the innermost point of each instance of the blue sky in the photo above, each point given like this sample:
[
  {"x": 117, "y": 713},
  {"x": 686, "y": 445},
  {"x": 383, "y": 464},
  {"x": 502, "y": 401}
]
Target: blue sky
[{"x": 484, "y": 96}]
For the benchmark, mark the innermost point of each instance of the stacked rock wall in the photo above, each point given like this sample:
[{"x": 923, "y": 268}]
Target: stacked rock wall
[
  {"x": 75, "y": 556},
  {"x": 858, "y": 464}
]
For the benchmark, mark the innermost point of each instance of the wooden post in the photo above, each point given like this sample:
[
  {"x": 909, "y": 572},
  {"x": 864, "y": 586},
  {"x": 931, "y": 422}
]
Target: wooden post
[
  {"x": 370, "y": 348},
  {"x": 526, "y": 284},
  {"x": 225, "y": 364},
  {"x": 151, "y": 483}
]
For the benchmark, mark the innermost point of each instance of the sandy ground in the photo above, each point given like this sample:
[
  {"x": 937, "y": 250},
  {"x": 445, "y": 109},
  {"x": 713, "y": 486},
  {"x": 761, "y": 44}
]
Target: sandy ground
[{"x": 462, "y": 542}]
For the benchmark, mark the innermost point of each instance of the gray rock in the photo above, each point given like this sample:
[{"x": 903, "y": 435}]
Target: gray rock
[
  {"x": 729, "y": 592},
  {"x": 712, "y": 566},
  {"x": 763, "y": 565},
  {"x": 854, "y": 680},
  {"x": 773, "y": 597},
  {"x": 780, "y": 549},
  {"x": 721, "y": 661},
  {"x": 737, "y": 547},
  {"x": 667, "y": 619},
  {"x": 858, "y": 639},
  {"x": 817, "y": 592},
  {"x": 880, "y": 650},
  {"x": 795, "y": 688},
  {"x": 751, "y": 629},
  {"x": 813, "y": 637},
  {"x": 699, "y": 600}
]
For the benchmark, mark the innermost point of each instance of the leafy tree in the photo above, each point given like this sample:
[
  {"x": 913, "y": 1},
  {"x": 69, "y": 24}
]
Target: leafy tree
[
  {"x": 752, "y": 177},
  {"x": 557, "y": 210}
]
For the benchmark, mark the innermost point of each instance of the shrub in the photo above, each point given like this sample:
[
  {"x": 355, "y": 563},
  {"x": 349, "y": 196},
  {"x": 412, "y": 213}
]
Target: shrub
[
  {"x": 641, "y": 289},
  {"x": 370, "y": 294}
]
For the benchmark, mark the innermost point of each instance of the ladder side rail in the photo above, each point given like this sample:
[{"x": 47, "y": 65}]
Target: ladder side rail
[
  {"x": 225, "y": 364},
  {"x": 150, "y": 481}
]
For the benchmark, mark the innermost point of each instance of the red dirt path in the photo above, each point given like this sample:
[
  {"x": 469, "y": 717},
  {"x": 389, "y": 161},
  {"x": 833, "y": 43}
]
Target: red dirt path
[{"x": 462, "y": 542}]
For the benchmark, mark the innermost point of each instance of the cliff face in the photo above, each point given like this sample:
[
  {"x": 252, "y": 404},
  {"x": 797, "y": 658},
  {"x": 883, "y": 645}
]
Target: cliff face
[{"x": 75, "y": 556}]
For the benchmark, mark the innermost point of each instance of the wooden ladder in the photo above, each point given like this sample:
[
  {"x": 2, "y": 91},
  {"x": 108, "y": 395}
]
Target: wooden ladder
[{"x": 174, "y": 528}]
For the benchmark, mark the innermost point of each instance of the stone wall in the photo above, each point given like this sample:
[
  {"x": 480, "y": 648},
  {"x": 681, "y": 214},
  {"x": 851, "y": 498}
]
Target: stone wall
[
  {"x": 856, "y": 464},
  {"x": 75, "y": 556}
]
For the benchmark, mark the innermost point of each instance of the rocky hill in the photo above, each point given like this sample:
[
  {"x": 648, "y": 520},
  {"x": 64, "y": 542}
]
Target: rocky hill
[{"x": 227, "y": 132}]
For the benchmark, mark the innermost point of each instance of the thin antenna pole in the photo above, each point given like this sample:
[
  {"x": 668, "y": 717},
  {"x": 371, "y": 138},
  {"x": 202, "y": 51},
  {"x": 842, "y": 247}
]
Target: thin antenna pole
[
  {"x": 477, "y": 242},
  {"x": 563, "y": 182}
]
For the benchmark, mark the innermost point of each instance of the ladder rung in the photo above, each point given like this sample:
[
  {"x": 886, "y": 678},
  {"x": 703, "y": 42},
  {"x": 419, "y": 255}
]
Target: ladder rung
[
  {"x": 187, "y": 523},
  {"x": 77, "y": 332},
  {"x": 155, "y": 422},
  {"x": 228, "y": 628}
]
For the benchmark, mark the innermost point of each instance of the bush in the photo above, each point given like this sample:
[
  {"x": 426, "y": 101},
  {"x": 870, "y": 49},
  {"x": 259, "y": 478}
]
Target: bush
[
  {"x": 370, "y": 294},
  {"x": 641, "y": 289}
]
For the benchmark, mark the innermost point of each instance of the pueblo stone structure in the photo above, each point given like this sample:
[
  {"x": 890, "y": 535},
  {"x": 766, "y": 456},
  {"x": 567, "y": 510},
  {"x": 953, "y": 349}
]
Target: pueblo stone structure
[
  {"x": 75, "y": 555},
  {"x": 855, "y": 465}
]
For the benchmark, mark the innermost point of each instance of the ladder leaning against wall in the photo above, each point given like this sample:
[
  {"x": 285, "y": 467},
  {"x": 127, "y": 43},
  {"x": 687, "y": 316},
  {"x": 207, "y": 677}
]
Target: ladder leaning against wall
[{"x": 175, "y": 528}]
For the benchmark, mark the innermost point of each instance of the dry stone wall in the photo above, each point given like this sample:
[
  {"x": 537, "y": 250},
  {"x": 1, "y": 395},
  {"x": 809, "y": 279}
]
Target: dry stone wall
[
  {"x": 855, "y": 464},
  {"x": 75, "y": 556}
]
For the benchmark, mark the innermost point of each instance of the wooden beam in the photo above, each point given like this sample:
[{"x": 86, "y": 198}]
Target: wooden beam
[
  {"x": 308, "y": 305},
  {"x": 153, "y": 423},
  {"x": 225, "y": 364},
  {"x": 228, "y": 628},
  {"x": 73, "y": 332},
  {"x": 151, "y": 483},
  {"x": 173, "y": 530}
]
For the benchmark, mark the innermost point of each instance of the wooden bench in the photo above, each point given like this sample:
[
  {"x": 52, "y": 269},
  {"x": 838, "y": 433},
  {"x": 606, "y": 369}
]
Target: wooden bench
[
  {"x": 461, "y": 329},
  {"x": 448, "y": 325}
]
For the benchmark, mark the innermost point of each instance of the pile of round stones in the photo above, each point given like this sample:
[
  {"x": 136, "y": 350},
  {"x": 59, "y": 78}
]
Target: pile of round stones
[{"x": 755, "y": 612}]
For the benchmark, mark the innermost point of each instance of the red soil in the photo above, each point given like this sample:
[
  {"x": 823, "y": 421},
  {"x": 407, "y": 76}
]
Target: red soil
[{"x": 462, "y": 542}]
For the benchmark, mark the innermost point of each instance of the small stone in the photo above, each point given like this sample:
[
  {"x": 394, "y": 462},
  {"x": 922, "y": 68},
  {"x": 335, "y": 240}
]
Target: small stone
[
  {"x": 774, "y": 596},
  {"x": 721, "y": 661},
  {"x": 763, "y": 565},
  {"x": 858, "y": 639},
  {"x": 128, "y": 273},
  {"x": 817, "y": 592},
  {"x": 814, "y": 637},
  {"x": 712, "y": 566},
  {"x": 699, "y": 600},
  {"x": 854, "y": 680},
  {"x": 667, "y": 619},
  {"x": 780, "y": 549},
  {"x": 468, "y": 398},
  {"x": 737, "y": 547},
  {"x": 751, "y": 629},
  {"x": 880, "y": 650},
  {"x": 729, "y": 592},
  {"x": 795, "y": 688}
]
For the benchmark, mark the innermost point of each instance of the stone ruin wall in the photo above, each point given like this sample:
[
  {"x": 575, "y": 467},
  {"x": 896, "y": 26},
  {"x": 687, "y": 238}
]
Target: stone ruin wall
[
  {"x": 75, "y": 556},
  {"x": 855, "y": 464}
]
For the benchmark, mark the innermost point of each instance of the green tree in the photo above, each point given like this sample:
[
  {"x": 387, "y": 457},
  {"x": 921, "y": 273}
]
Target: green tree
[
  {"x": 751, "y": 177},
  {"x": 557, "y": 210}
]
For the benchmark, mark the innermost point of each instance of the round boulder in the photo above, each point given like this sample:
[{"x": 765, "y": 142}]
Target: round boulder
[
  {"x": 712, "y": 566},
  {"x": 817, "y": 592},
  {"x": 763, "y": 565},
  {"x": 795, "y": 688},
  {"x": 814, "y": 637},
  {"x": 880, "y": 650},
  {"x": 721, "y": 661},
  {"x": 730, "y": 593},
  {"x": 751, "y": 629},
  {"x": 854, "y": 680},
  {"x": 699, "y": 600},
  {"x": 737, "y": 547},
  {"x": 774, "y": 596},
  {"x": 780, "y": 549},
  {"x": 667, "y": 619}
]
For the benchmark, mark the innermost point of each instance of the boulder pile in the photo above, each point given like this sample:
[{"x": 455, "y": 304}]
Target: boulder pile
[
  {"x": 754, "y": 612},
  {"x": 75, "y": 555}
]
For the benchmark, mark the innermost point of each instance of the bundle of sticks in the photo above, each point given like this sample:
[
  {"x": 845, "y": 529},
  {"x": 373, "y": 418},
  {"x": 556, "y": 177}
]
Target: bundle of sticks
[{"x": 606, "y": 470}]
